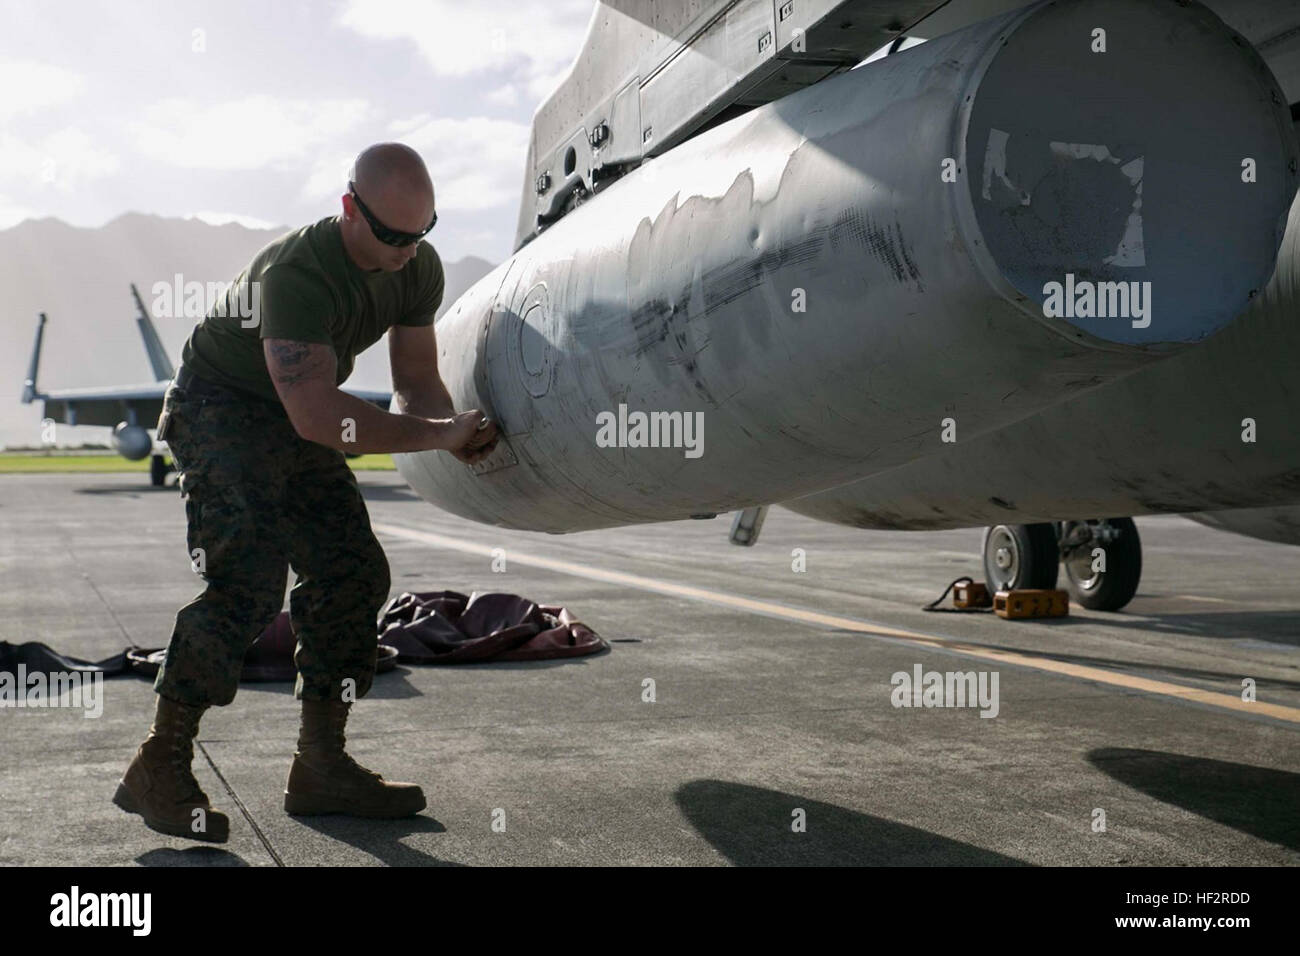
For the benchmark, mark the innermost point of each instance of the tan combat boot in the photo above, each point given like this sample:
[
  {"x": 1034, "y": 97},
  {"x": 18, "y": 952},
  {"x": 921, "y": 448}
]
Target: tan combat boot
[
  {"x": 324, "y": 779},
  {"x": 159, "y": 784}
]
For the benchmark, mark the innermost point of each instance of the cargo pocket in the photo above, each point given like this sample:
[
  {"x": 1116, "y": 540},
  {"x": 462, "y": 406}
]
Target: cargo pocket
[
  {"x": 194, "y": 537},
  {"x": 174, "y": 396},
  {"x": 175, "y": 428}
]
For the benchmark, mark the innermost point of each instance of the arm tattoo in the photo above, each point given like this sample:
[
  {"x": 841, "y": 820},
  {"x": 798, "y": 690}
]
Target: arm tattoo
[
  {"x": 290, "y": 353},
  {"x": 294, "y": 363}
]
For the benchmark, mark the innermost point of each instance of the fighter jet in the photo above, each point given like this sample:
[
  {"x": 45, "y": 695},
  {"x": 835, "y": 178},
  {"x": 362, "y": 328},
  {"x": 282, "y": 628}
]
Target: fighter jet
[
  {"x": 1209, "y": 434},
  {"x": 1023, "y": 271},
  {"x": 131, "y": 411}
]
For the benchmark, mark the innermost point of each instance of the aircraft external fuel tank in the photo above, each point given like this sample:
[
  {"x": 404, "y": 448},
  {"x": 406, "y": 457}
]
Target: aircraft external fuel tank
[{"x": 946, "y": 240}]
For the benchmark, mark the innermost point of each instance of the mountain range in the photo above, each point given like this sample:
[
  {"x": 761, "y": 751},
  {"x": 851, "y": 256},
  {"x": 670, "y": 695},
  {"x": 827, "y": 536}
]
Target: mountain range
[{"x": 81, "y": 279}]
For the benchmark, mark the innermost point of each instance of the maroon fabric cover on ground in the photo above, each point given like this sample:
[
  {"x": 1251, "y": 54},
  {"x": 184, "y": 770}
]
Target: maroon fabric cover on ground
[
  {"x": 430, "y": 627},
  {"x": 446, "y": 627}
]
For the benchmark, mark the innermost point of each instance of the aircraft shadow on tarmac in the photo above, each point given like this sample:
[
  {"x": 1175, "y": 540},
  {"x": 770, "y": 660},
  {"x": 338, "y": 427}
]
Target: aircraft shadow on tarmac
[
  {"x": 1276, "y": 627},
  {"x": 1258, "y": 801},
  {"x": 752, "y": 826}
]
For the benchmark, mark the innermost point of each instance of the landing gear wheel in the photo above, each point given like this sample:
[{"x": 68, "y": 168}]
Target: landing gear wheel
[
  {"x": 1111, "y": 589},
  {"x": 158, "y": 469},
  {"x": 1020, "y": 556}
]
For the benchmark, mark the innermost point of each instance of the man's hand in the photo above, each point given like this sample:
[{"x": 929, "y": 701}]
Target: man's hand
[{"x": 482, "y": 440}]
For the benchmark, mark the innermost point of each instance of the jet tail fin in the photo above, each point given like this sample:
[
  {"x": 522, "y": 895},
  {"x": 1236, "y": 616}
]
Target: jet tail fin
[
  {"x": 29, "y": 384},
  {"x": 158, "y": 360}
]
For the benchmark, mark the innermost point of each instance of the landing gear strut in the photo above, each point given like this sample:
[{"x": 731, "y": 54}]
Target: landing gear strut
[{"x": 158, "y": 470}]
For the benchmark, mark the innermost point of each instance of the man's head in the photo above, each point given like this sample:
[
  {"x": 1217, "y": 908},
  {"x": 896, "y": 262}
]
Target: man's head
[{"x": 390, "y": 182}]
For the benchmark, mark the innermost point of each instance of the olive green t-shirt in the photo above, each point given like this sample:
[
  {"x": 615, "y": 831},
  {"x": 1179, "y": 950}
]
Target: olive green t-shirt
[{"x": 305, "y": 287}]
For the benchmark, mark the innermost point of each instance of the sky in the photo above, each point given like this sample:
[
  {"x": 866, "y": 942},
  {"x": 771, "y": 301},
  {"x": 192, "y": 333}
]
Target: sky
[{"x": 230, "y": 110}]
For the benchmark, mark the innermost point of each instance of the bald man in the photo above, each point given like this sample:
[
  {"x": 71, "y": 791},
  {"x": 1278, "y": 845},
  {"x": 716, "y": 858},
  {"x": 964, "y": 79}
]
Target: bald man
[{"x": 258, "y": 427}]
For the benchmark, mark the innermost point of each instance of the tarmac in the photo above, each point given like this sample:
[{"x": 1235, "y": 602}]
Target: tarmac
[{"x": 745, "y": 713}]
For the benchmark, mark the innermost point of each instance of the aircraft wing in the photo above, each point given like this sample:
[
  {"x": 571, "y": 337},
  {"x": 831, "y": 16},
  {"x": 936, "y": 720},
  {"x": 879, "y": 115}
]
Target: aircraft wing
[
  {"x": 136, "y": 404},
  {"x": 107, "y": 405}
]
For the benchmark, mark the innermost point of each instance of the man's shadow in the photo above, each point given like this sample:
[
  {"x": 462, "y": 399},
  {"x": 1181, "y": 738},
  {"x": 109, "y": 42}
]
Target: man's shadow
[{"x": 380, "y": 838}]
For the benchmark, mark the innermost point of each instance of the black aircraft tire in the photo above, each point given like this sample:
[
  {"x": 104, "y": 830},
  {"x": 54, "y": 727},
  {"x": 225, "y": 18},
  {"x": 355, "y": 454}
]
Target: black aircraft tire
[
  {"x": 1034, "y": 558},
  {"x": 1116, "y": 585}
]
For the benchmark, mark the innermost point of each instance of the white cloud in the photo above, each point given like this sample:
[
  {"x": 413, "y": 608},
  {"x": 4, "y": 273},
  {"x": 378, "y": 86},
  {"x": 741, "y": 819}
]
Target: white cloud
[
  {"x": 476, "y": 163},
  {"x": 31, "y": 87},
  {"x": 328, "y": 179},
  {"x": 64, "y": 160},
  {"x": 254, "y": 132},
  {"x": 507, "y": 95},
  {"x": 12, "y": 213},
  {"x": 482, "y": 237},
  {"x": 488, "y": 36},
  {"x": 403, "y": 126}
]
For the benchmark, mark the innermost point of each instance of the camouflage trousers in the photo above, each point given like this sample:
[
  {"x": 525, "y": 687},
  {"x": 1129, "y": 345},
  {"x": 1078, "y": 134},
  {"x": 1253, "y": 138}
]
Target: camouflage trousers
[{"x": 259, "y": 500}]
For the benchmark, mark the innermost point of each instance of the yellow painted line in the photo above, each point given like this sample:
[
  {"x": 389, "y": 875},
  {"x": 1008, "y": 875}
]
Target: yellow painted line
[{"x": 1064, "y": 668}]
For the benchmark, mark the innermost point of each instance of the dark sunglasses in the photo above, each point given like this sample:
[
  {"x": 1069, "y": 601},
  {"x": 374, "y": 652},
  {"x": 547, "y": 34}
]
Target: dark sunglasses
[{"x": 389, "y": 237}]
